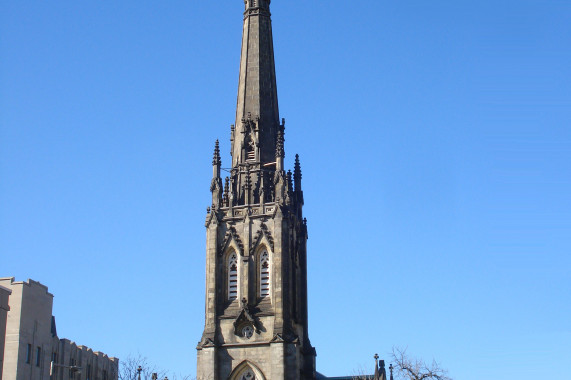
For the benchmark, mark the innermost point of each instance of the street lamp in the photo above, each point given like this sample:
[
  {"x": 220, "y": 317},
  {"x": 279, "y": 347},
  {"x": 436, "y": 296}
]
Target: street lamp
[
  {"x": 139, "y": 370},
  {"x": 73, "y": 368}
]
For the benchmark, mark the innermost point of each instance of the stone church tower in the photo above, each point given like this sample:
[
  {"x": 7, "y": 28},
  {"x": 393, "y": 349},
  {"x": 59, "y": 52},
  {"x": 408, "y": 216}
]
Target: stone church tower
[{"x": 256, "y": 264}]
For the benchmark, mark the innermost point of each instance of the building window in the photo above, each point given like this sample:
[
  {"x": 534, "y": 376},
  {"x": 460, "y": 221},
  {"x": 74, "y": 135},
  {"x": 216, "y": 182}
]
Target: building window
[
  {"x": 264, "y": 274},
  {"x": 29, "y": 354},
  {"x": 233, "y": 276},
  {"x": 38, "y": 356}
]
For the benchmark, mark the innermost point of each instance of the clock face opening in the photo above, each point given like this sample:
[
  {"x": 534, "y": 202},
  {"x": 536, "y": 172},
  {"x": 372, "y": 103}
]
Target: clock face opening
[{"x": 247, "y": 332}]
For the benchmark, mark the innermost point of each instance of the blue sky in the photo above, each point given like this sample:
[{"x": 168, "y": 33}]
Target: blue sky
[{"x": 435, "y": 144}]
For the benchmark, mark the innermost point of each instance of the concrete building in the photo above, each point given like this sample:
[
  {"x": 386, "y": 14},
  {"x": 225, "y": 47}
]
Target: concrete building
[
  {"x": 32, "y": 342},
  {"x": 256, "y": 324},
  {"x": 4, "y": 308}
]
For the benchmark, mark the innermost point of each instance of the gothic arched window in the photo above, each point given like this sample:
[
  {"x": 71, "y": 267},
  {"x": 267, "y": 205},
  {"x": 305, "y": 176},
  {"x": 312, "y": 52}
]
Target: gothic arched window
[
  {"x": 264, "y": 274},
  {"x": 232, "y": 276}
]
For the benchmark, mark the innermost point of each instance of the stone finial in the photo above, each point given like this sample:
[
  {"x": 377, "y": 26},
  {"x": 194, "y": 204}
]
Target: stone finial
[
  {"x": 216, "y": 163},
  {"x": 216, "y": 183},
  {"x": 289, "y": 188},
  {"x": 297, "y": 174},
  {"x": 216, "y": 158},
  {"x": 248, "y": 186},
  {"x": 226, "y": 191},
  {"x": 280, "y": 141},
  {"x": 382, "y": 370}
]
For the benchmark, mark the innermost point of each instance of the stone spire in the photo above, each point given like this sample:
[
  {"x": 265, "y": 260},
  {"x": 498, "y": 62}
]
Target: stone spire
[
  {"x": 256, "y": 235},
  {"x": 257, "y": 117}
]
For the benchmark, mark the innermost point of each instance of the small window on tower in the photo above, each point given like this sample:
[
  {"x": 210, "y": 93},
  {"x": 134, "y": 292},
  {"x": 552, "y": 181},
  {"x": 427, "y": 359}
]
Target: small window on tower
[
  {"x": 264, "y": 274},
  {"x": 233, "y": 276}
]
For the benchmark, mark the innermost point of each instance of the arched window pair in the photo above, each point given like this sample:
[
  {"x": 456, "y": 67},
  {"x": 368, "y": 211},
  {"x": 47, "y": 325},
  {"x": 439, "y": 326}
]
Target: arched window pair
[{"x": 264, "y": 266}]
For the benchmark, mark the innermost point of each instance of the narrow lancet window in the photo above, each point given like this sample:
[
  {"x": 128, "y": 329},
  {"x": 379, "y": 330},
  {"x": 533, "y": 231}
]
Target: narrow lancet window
[
  {"x": 264, "y": 274},
  {"x": 232, "y": 276}
]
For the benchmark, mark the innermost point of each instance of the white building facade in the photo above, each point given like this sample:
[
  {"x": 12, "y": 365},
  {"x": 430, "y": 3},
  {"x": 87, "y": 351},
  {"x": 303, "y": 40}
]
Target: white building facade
[{"x": 31, "y": 341}]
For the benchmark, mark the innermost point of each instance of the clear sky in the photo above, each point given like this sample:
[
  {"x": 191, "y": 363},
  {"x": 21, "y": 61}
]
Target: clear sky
[{"x": 435, "y": 142}]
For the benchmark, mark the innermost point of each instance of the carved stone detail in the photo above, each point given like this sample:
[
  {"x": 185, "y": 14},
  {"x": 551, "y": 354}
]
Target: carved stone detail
[
  {"x": 231, "y": 234},
  {"x": 263, "y": 231}
]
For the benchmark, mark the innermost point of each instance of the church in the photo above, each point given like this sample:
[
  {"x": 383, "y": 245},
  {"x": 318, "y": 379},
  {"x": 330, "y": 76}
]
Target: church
[
  {"x": 256, "y": 314},
  {"x": 256, "y": 264}
]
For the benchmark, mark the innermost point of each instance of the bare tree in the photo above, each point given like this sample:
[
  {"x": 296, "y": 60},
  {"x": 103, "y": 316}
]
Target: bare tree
[
  {"x": 415, "y": 369},
  {"x": 128, "y": 368}
]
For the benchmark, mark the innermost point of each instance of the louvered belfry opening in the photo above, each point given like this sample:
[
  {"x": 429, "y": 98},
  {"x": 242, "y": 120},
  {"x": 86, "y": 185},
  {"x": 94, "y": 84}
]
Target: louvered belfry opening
[
  {"x": 233, "y": 277},
  {"x": 264, "y": 274}
]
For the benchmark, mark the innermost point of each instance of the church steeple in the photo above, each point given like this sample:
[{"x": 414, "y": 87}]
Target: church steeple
[
  {"x": 256, "y": 314},
  {"x": 257, "y": 115}
]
